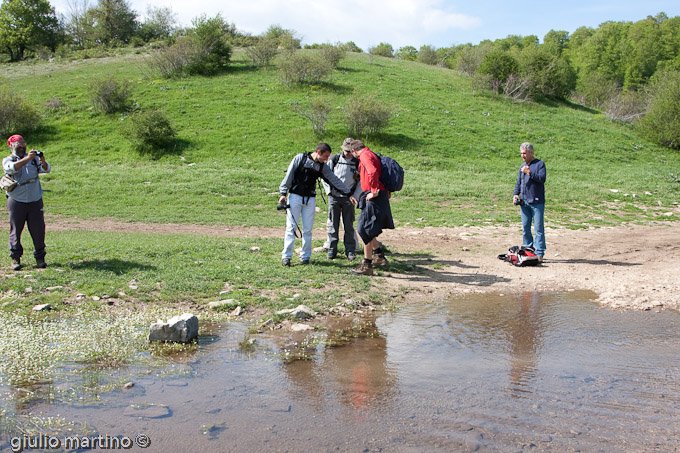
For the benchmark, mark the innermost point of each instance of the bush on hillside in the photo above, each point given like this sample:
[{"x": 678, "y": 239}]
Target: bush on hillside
[
  {"x": 382, "y": 50},
  {"x": 595, "y": 90},
  {"x": 626, "y": 106},
  {"x": 498, "y": 65},
  {"x": 108, "y": 95},
  {"x": 316, "y": 111},
  {"x": 262, "y": 52},
  {"x": 428, "y": 55},
  {"x": 365, "y": 115},
  {"x": 331, "y": 54},
  {"x": 661, "y": 124},
  {"x": 304, "y": 67},
  {"x": 151, "y": 133},
  {"x": 17, "y": 116}
]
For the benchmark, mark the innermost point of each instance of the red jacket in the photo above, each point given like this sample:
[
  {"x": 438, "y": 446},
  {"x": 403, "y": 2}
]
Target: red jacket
[{"x": 370, "y": 171}]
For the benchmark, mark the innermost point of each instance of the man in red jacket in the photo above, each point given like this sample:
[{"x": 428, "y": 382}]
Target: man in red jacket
[{"x": 374, "y": 203}]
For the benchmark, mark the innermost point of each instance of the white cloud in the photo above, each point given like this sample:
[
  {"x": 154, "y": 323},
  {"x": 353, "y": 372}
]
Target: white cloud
[{"x": 367, "y": 23}]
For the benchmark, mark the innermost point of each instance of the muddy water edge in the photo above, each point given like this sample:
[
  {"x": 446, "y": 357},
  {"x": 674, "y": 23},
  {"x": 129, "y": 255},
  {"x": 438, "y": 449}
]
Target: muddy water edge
[{"x": 546, "y": 371}]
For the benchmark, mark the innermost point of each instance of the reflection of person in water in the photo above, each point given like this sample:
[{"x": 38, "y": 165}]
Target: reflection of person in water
[
  {"x": 356, "y": 371},
  {"x": 525, "y": 340}
]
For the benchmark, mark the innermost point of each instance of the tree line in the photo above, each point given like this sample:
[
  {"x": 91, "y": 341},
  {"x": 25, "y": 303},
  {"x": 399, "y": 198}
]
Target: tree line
[{"x": 629, "y": 70}]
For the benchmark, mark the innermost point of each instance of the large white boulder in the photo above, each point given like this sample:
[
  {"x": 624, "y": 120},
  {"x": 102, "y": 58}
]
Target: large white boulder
[{"x": 179, "y": 329}]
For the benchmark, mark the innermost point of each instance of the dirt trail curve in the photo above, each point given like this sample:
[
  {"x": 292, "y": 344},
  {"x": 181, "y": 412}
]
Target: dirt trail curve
[{"x": 629, "y": 266}]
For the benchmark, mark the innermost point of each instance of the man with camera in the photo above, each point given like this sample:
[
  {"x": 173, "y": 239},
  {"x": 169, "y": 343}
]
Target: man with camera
[
  {"x": 530, "y": 197},
  {"x": 299, "y": 187},
  {"x": 24, "y": 199},
  {"x": 340, "y": 206}
]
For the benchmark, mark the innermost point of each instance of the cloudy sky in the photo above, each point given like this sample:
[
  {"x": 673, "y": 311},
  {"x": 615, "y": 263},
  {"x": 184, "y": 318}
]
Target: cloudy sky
[{"x": 440, "y": 23}]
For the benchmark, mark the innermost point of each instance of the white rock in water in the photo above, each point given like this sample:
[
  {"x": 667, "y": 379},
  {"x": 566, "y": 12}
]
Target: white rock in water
[
  {"x": 297, "y": 327},
  {"x": 179, "y": 329},
  {"x": 299, "y": 312}
]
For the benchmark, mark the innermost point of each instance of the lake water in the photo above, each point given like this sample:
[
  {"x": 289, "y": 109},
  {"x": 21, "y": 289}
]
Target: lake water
[{"x": 539, "y": 371}]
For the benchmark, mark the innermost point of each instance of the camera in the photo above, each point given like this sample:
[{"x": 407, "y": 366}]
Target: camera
[
  {"x": 518, "y": 202},
  {"x": 281, "y": 207},
  {"x": 38, "y": 153}
]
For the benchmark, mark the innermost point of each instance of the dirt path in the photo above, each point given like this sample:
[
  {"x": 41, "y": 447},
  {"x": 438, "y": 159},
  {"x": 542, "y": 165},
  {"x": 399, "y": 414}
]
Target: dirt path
[{"x": 628, "y": 266}]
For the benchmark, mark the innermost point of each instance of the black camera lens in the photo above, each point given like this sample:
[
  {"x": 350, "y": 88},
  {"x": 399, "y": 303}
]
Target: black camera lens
[{"x": 38, "y": 153}]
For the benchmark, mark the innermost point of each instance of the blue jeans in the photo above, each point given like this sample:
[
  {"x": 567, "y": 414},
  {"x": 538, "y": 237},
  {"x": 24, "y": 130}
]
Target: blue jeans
[
  {"x": 533, "y": 212},
  {"x": 299, "y": 211}
]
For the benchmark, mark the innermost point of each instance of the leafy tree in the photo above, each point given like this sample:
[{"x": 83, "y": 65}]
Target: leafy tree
[
  {"x": 284, "y": 38},
  {"x": 79, "y": 24},
  {"x": 407, "y": 53},
  {"x": 383, "y": 49},
  {"x": 160, "y": 22},
  {"x": 113, "y": 21},
  {"x": 605, "y": 51},
  {"x": 556, "y": 41},
  {"x": 645, "y": 51},
  {"x": 26, "y": 25}
]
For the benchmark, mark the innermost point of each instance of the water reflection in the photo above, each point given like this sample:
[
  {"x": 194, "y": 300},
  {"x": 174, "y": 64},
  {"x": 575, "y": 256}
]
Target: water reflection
[
  {"x": 524, "y": 335},
  {"x": 348, "y": 367}
]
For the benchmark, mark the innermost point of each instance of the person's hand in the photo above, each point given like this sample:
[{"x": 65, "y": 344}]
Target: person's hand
[
  {"x": 371, "y": 196},
  {"x": 526, "y": 170},
  {"x": 515, "y": 198},
  {"x": 353, "y": 200},
  {"x": 282, "y": 199},
  {"x": 32, "y": 153}
]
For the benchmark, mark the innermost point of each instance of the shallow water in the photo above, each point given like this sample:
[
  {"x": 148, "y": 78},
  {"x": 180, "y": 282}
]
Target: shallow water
[{"x": 546, "y": 371}]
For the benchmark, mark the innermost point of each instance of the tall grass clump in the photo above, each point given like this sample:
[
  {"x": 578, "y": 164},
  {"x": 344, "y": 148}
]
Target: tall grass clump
[
  {"x": 108, "y": 95},
  {"x": 365, "y": 115},
  {"x": 16, "y": 114},
  {"x": 151, "y": 132},
  {"x": 304, "y": 68}
]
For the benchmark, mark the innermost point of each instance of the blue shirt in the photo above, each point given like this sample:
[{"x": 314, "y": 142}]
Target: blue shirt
[
  {"x": 531, "y": 188},
  {"x": 25, "y": 192}
]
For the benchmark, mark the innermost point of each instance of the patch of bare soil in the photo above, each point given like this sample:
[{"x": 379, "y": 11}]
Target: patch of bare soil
[{"x": 628, "y": 266}]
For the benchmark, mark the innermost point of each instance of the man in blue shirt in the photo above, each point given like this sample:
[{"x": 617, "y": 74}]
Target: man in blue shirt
[
  {"x": 24, "y": 202},
  {"x": 530, "y": 196}
]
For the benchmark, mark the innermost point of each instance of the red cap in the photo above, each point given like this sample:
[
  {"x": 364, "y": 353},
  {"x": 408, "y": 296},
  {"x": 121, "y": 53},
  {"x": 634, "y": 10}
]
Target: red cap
[{"x": 14, "y": 138}]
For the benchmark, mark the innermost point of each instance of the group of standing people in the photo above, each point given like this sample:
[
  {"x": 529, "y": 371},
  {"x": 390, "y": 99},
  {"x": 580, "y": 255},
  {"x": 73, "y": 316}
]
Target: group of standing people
[{"x": 352, "y": 179}]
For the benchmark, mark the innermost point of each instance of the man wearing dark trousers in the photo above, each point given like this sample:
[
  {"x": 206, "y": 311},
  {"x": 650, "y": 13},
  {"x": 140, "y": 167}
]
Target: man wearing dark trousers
[
  {"x": 24, "y": 201},
  {"x": 376, "y": 214}
]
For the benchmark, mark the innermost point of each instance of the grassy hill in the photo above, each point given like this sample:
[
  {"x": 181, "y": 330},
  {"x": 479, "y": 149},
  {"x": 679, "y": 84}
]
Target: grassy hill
[{"x": 460, "y": 149}]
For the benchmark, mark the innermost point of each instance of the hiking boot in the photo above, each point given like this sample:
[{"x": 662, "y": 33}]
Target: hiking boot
[
  {"x": 285, "y": 262},
  {"x": 365, "y": 268},
  {"x": 16, "y": 264},
  {"x": 305, "y": 262},
  {"x": 41, "y": 263},
  {"x": 351, "y": 256},
  {"x": 331, "y": 255},
  {"x": 379, "y": 260}
]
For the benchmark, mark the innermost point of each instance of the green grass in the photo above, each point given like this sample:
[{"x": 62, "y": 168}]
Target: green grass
[
  {"x": 138, "y": 269},
  {"x": 460, "y": 149}
]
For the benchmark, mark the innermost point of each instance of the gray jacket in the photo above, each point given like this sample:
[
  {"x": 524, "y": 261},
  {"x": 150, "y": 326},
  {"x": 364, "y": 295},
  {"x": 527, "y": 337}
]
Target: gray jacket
[{"x": 345, "y": 169}]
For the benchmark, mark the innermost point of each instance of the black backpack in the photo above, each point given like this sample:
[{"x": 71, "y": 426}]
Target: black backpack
[{"x": 392, "y": 175}]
